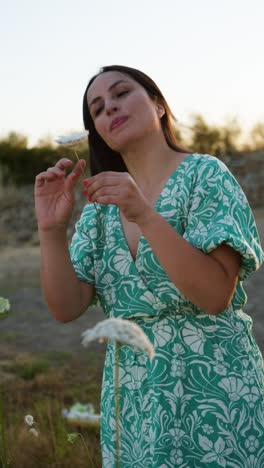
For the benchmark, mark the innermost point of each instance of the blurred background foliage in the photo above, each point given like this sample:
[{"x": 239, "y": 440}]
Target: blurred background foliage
[{"x": 19, "y": 163}]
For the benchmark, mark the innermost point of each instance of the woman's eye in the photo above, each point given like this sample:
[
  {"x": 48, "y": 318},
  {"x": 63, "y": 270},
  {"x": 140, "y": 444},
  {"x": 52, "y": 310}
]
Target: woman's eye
[
  {"x": 97, "y": 112},
  {"x": 122, "y": 93}
]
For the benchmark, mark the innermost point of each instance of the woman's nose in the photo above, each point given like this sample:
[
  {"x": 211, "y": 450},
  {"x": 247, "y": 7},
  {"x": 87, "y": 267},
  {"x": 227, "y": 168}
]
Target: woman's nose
[{"x": 110, "y": 107}]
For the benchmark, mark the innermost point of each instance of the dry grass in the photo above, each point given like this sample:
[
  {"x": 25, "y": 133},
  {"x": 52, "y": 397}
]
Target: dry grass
[{"x": 44, "y": 396}]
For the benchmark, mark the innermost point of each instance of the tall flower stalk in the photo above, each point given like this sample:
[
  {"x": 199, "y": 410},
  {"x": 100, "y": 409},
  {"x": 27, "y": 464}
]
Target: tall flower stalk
[
  {"x": 4, "y": 310},
  {"x": 117, "y": 403},
  {"x": 3, "y": 454},
  {"x": 120, "y": 331},
  {"x": 73, "y": 141},
  {"x": 116, "y": 329},
  {"x": 72, "y": 437}
]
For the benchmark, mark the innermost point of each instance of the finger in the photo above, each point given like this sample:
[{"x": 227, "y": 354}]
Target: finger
[
  {"x": 75, "y": 175},
  {"x": 108, "y": 191},
  {"x": 80, "y": 167},
  {"x": 111, "y": 199},
  {"x": 50, "y": 176},
  {"x": 104, "y": 179},
  {"x": 64, "y": 163},
  {"x": 56, "y": 171},
  {"x": 40, "y": 180}
]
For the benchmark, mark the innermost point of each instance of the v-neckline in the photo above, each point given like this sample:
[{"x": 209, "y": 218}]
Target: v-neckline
[{"x": 134, "y": 260}]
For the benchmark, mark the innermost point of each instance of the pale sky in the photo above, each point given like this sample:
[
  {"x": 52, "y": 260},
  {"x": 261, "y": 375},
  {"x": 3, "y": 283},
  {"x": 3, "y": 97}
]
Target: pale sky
[{"x": 205, "y": 55}]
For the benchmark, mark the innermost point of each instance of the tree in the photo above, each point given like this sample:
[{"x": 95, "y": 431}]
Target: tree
[
  {"x": 218, "y": 141},
  {"x": 15, "y": 140},
  {"x": 257, "y": 136}
]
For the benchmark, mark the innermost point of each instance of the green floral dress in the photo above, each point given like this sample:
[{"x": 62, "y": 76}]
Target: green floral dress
[{"x": 200, "y": 401}]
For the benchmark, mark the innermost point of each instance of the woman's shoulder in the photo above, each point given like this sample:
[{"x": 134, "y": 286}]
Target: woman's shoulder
[
  {"x": 86, "y": 218},
  {"x": 205, "y": 166},
  {"x": 205, "y": 159}
]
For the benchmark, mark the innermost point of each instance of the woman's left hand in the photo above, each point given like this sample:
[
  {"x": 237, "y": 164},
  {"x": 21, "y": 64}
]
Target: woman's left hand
[{"x": 119, "y": 188}]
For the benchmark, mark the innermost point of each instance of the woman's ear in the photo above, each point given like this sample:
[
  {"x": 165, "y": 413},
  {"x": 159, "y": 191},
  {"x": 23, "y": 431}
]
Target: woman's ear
[
  {"x": 160, "y": 110},
  {"x": 159, "y": 107}
]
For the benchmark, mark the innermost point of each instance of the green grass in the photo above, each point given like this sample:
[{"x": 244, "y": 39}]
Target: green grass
[
  {"x": 57, "y": 357},
  {"x": 28, "y": 366},
  {"x": 8, "y": 337},
  {"x": 30, "y": 369}
]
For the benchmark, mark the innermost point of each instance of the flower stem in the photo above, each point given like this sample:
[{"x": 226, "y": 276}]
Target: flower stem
[
  {"x": 117, "y": 404},
  {"x": 78, "y": 159},
  {"x": 52, "y": 433},
  {"x": 87, "y": 450},
  {"x": 3, "y": 455}
]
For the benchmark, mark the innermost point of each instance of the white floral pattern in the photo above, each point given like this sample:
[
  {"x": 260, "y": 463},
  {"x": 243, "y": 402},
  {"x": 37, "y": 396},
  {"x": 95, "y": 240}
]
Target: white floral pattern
[{"x": 200, "y": 401}]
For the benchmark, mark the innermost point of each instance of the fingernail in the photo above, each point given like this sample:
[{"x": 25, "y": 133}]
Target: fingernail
[
  {"x": 85, "y": 183},
  {"x": 85, "y": 192}
]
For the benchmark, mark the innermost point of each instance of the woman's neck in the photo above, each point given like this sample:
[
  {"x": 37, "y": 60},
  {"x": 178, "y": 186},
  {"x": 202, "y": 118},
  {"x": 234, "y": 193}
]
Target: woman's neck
[{"x": 149, "y": 163}]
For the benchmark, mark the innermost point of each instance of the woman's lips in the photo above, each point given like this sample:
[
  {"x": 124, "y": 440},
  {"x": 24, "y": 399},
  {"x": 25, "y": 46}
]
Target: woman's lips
[{"x": 117, "y": 122}]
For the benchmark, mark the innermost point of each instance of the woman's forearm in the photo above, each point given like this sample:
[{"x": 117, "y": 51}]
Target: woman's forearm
[
  {"x": 62, "y": 290},
  {"x": 197, "y": 275}
]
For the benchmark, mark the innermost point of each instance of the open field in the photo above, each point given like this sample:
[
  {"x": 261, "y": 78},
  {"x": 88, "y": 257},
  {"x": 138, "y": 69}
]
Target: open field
[
  {"x": 43, "y": 366},
  {"x": 31, "y": 327},
  {"x": 42, "y": 384}
]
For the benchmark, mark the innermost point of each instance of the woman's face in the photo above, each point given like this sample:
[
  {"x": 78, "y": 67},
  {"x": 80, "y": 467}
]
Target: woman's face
[{"x": 122, "y": 110}]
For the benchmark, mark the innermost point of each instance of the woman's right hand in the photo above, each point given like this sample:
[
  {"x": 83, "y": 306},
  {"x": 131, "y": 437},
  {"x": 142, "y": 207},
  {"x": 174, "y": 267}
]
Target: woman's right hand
[{"x": 54, "y": 195}]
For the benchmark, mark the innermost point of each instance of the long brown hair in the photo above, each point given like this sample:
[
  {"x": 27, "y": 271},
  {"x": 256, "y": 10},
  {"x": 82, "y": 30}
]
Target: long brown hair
[{"x": 102, "y": 157}]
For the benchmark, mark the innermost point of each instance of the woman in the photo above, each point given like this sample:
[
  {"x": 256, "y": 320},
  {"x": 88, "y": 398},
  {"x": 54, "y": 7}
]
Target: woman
[{"x": 166, "y": 242}]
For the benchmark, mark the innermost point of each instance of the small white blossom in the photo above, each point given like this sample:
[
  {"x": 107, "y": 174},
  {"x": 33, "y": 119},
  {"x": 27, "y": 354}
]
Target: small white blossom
[
  {"x": 71, "y": 140},
  {"x": 80, "y": 412},
  {"x": 72, "y": 437},
  {"x": 118, "y": 329},
  {"x": 4, "y": 307},
  {"x": 29, "y": 420},
  {"x": 34, "y": 432}
]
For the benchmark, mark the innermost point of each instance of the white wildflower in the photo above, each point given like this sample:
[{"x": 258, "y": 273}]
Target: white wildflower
[
  {"x": 4, "y": 307},
  {"x": 121, "y": 330},
  {"x": 72, "y": 437},
  {"x": 34, "y": 432},
  {"x": 71, "y": 140},
  {"x": 29, "y": 420},
  {"x": 80, "y": 412}
]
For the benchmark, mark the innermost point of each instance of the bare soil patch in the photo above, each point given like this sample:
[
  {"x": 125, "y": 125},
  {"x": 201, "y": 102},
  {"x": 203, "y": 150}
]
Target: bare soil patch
[{"x": 31, "y": 328}]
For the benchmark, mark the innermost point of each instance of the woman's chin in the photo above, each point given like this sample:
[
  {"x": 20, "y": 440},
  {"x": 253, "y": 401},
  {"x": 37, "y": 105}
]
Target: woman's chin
[
  {"x": 121, "y": 146},
  {"x": 125, "y": 144}
]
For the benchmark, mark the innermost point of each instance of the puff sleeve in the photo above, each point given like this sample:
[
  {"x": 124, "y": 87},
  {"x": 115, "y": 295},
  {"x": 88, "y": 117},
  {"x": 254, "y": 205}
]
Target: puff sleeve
[
  {"x": 219, "y": 212},
  {"x": 81, "y": 247}
]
